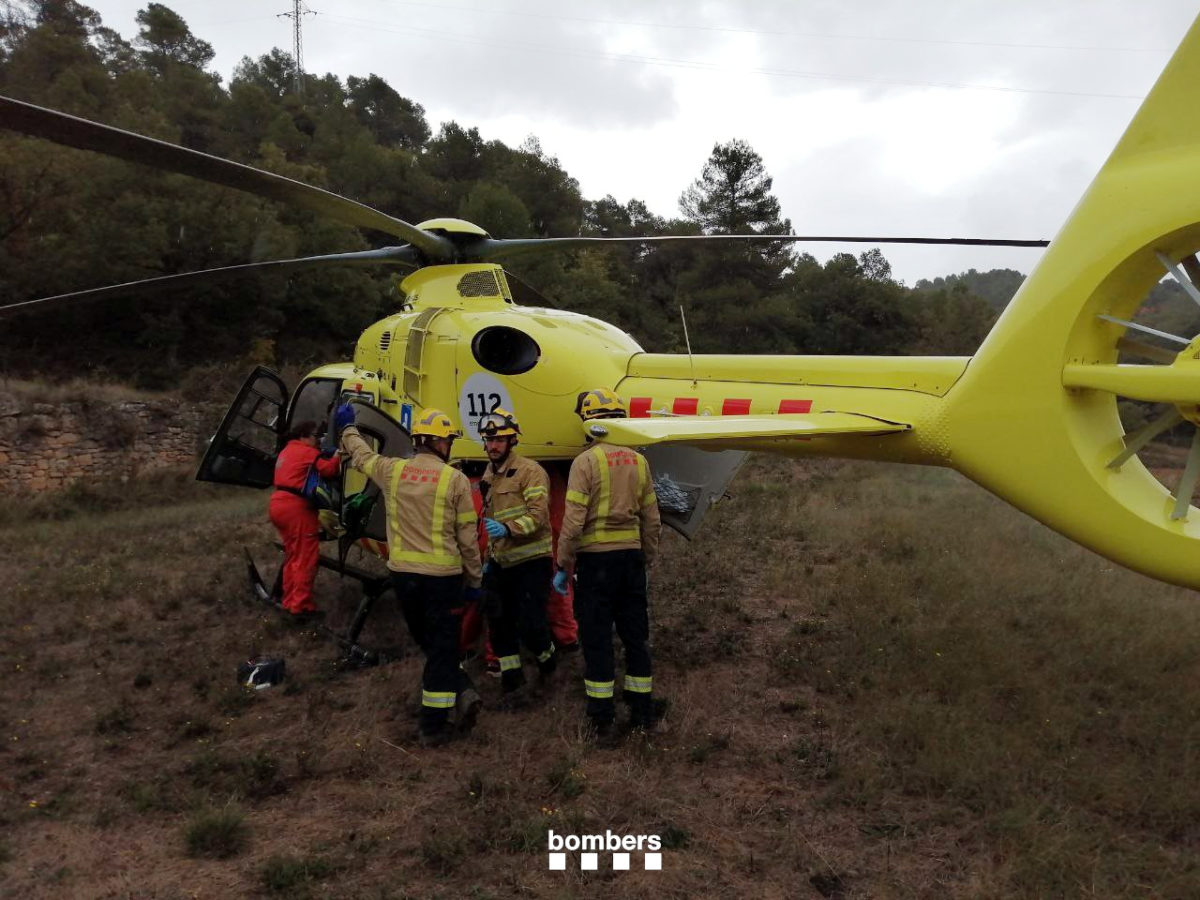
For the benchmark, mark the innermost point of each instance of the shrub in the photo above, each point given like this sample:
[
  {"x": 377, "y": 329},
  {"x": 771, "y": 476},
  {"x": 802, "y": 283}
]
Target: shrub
[
  {"x": 290, "y": 875},
  {"x": 216, "y": 833}
]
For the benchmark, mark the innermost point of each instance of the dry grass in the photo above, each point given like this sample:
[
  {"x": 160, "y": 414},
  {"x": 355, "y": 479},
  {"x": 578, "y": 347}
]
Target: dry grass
[
  {"x": 76, "y": 390},
  {"x": 883, "y": 684}
]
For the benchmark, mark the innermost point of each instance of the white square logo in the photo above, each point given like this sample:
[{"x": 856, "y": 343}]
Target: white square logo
[
  {"x": 558, "y": 862},
  {"x": 654, "y": 861},
  {"x": 589, "y": 861},
  {"x": 621, "y": 862}
]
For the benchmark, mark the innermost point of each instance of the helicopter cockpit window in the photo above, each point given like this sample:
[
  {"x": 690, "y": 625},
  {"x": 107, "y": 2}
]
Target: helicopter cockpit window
[
  {"x": 314, "y": 398},
  {"x": 505, "y": 351}
]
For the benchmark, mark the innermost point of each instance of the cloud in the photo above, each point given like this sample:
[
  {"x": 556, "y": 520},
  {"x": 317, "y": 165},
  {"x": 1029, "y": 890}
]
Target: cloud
[{"x": 973, "y": 118}]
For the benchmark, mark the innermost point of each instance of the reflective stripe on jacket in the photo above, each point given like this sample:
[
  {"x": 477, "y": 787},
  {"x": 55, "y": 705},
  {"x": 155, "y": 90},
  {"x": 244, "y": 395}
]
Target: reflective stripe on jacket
[
  {"x": 518, "y": 496},
  {"x": 610, "y": 505},
  {"x": 432, "y": 528}
]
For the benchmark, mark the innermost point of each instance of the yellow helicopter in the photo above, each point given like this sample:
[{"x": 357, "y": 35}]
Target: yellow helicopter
[{"x": 1032, "y": 416}]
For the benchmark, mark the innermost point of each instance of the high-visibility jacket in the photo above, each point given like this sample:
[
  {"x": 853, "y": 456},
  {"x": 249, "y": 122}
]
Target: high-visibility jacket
[
  {"x": 518, "y": 496},
  {"x": 610, "y": 505},
  {"x": 432, "y": 528}
]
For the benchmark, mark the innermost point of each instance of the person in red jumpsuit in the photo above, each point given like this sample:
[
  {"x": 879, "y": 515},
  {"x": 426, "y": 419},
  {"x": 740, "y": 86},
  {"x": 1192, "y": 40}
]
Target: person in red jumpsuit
[{"x": 295, "y": 516}]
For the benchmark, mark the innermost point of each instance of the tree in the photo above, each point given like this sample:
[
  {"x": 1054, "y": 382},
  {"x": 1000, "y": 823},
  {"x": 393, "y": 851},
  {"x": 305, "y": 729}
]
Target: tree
[
  {"x": 730, "y": 291},
  {"x": 551, "y": 195},
  {"x": 456, "y": 154},
  {"x": 950, "y": 321},
  {"x": 609, "y": 218},
  {"x": 844, "y": 307},
  {"x": 996, "y": 286},
  {"x": 733, "y": 194},
  {"x": 496, "y": 209},
  {"x": 50, "y": 60},
  {"x": 394, "y": 120},
  {"x": 165, "y": 39}
]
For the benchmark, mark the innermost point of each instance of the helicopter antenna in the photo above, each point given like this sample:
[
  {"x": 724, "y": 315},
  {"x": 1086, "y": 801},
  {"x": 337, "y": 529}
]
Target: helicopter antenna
[
  {"x": 688, "y": 342},
  {"x": 299, "y": 10}
]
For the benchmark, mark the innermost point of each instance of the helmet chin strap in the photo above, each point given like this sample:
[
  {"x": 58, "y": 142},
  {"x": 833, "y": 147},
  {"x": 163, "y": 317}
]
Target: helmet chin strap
[{"x": 430, "y": 445}]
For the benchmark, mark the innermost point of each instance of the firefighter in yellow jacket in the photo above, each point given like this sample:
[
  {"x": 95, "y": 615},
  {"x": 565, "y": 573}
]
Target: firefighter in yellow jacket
[
  {"x": 432, "y": 535},
  {"x": 609, "y": 534},
  {"x": 516, "y": 509}
]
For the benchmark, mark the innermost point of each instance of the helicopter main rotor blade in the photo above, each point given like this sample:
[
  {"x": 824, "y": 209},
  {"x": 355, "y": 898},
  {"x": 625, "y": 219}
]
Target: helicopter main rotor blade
[
  {"x": 83, "y": 134},
  {"x": 402, "y": 256},
  {"x": 493, "y": 248}
]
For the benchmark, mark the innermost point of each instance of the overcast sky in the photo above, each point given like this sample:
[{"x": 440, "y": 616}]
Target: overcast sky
[{"x": 964, "y": 118}]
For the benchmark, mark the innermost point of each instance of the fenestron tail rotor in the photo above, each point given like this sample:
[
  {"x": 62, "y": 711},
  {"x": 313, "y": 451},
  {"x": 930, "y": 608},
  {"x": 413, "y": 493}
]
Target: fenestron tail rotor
[{"x": 1175, "y": 381}]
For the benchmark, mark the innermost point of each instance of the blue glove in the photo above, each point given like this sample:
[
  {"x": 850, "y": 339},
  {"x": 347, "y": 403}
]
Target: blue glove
[
  {"x": 561, "y": 578},
  {"x": 473, "y": 595},
  {"x": 343, "y": 418},
  {"x": 495, "y": 529}
]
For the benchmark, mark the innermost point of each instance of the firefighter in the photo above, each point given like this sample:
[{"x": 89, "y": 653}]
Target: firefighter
[
  {"x": 294, "y": 515},
  {"x": 516, "y": 509},
  {"x": 609, "y": 535},
  {"x": 432, "y": 549}
]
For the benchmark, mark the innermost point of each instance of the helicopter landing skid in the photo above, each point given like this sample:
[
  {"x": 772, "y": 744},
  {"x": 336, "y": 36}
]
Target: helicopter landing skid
[{"x": 355, "y": 655}]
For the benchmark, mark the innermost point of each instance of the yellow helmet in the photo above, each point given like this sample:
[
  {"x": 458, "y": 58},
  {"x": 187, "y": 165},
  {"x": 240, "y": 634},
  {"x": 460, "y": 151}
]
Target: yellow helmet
[
  {"x": 435, "y": 423},
  {"x": 600, "y": 403},
  {"x": 498, "y": 423}
]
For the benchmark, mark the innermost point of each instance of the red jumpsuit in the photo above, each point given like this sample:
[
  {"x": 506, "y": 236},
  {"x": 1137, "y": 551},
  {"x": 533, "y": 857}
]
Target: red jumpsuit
[{"x": 296, "y": 519}]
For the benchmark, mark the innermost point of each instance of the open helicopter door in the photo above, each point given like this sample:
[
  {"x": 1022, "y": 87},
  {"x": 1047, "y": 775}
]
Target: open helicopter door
[
  {"x": 362, "y": 512},
  {"x": 244, "y": 448},
  {"x": 689, "y": 481}
]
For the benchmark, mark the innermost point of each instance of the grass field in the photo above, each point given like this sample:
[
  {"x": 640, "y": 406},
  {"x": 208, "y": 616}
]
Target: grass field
[{"x": 882, "y": 683}]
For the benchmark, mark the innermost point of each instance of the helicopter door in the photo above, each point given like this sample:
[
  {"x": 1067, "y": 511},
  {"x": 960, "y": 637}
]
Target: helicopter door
[
  {"x": 314, "y": 400},
  {"x": 365, "y": 516},
  {"x": 244, "y": 448},
  {"x": 689, "y": 482}
]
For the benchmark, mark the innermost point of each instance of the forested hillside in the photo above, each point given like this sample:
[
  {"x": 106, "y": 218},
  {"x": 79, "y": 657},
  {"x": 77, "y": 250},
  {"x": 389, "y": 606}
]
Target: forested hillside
[
  {"x": 71, "y": 220},
  {"x": 996, "y": 287}
]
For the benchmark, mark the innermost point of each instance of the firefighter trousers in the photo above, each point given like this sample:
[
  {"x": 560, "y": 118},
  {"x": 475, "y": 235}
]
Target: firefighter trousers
[
  {"x": 432, "y": 607},
  {"x": 610, "y": 590},
  {"x": 517, "y": 615}
]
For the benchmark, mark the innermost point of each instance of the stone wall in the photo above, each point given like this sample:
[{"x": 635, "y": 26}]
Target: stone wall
[{"x": 47, "y": 446}]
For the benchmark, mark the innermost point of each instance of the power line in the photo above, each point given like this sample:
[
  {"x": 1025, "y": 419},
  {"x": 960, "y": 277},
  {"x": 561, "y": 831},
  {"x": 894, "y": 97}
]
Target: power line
[
  {"x": 667, "y": 62},
  {"x": 688, "y": 26}
]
